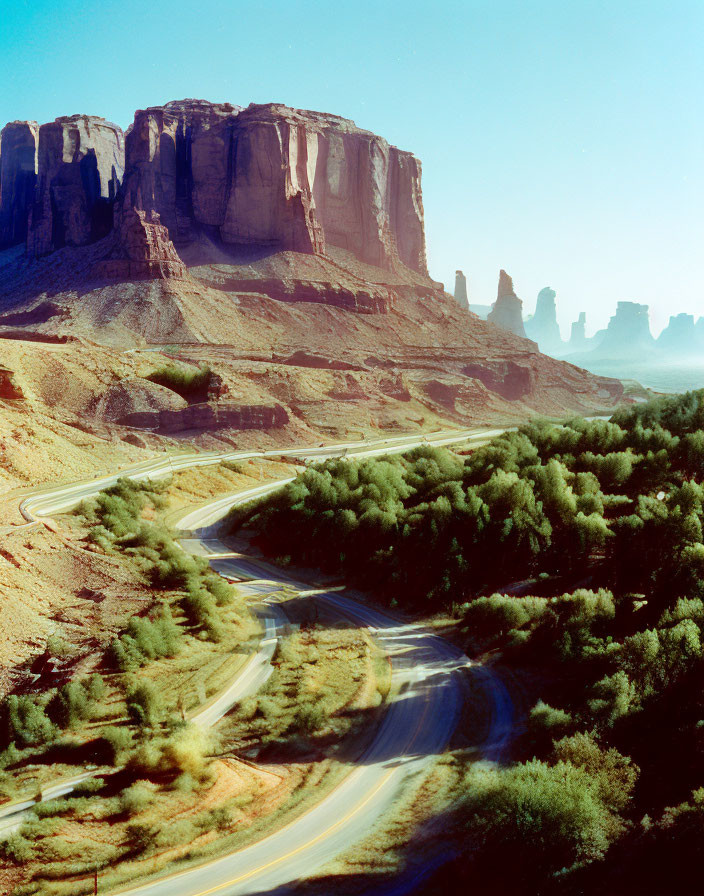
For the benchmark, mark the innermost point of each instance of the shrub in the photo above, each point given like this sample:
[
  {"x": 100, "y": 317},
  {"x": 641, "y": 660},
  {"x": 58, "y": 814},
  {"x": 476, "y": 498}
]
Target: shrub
[
  {"x": 140, "y": 837},
  {"x": 76, "y": 702},
  {"x": 23, "y": 720},
  {"x": 185, "y": 751},
  {"x": 17, "y": 849},
  {"x": 489, "y": 618},
  {"x": 544, "y": 817},
  {"x": 144, "y": 705},
  {"x": 135, "y": 798},
  {"x": 545, "y": 722}
]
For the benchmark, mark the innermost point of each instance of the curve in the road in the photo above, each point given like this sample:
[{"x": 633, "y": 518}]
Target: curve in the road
[{"x": 416, "y": 726}]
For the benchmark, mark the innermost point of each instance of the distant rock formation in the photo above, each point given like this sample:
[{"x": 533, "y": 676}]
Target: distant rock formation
[
  {"x": 80, "y": 163},
  {"x": 628, "y": 332},
  {"x": 578, "y": 334},
  {"x": 18, "y": 178},
  {"x": 543, "y": 327},
  {"x": 682, "y": 337},
  {"x": 506, "y": 311},
  {"x": 141, "y": 250},
  {"x": 461, "y": 290}
]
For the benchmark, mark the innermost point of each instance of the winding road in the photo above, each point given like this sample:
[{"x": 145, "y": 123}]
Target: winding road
[{"x": 415, "y": 728}]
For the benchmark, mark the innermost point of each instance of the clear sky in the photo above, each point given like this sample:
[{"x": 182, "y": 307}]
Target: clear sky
[{"x": 561, "y": 139}]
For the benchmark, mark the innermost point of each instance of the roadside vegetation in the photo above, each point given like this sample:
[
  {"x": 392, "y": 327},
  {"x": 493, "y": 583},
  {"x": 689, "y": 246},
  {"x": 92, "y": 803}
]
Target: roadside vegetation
[
  {"x": 162, "y": 790},
  {"x": 574, "y": 556},
  {"x": 128, "y": 720}
]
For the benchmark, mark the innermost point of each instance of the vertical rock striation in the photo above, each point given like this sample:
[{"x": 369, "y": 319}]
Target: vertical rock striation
[
  {"x": 276, "y": 178},
  {"x": 80, "y": 167},
  {"x": 18, "y": 176},
  {"x": 507, "y": 310},
  {"x": 461, "y": 290}
]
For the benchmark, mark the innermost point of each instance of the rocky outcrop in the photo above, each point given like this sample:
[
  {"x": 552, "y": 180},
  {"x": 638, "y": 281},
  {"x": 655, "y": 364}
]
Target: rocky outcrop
[
  {"x": 578, "y": 334},
  {"x": 628, "y": 332},
  {"x": 365, "y": 299},
  {"x": 134, "y": 396},
  {"x": 507, "y": 378},
  {"x": 507, "y": 310},
  {"x": 9, "y": 390},
  {"x": 461, "y": 290},
  {"x": 209, "y": 417},
  {"x": 140, "y": 250},
  {"x": 543, "y": 327},
  {"x": 682, "y": 336},
  {"x": 276, "y": 178},
  {"x": 80, "y": 164},
  {"x": 18, "y": 177}
]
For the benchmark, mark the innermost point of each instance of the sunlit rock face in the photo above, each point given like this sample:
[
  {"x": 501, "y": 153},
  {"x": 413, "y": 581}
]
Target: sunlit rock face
[
  {"x": 80, "y": 163},
  {"x": 682, "y": 336},
  {"x": 543, "y": 327},
  {"x": 140, "y": 249},
  {"x": 507, "y": 310},
  {"x": 276, "y": 178},
  {"x": 18, "y": 178},
  {"x": 461, "y": 290}
]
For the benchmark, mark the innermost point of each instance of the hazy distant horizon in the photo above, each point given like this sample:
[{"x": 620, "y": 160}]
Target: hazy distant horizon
[{"x": 562, "y": 142}]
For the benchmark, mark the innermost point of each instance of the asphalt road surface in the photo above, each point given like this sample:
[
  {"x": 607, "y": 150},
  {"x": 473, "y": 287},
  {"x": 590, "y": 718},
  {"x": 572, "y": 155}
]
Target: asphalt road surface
[{"x": 416, "y": 726}]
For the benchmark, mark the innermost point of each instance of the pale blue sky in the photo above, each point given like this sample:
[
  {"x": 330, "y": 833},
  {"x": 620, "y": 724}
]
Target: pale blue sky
[{"x": 560, "y": 140}]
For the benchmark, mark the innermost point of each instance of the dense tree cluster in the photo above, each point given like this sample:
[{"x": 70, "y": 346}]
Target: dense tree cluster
[
  {"x": 603, "y": 522},
  {"x": 436, "y": 529}
]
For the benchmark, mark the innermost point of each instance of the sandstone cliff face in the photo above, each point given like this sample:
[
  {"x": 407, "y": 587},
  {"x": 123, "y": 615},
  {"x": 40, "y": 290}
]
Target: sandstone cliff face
[
  {"x": 80, "y": 165},
  {"x": 264, "y": 179},
  {"x": 276, "y": 178},
  {"x": 18, "y": 176},
  {"x": 507, "y": 310}
]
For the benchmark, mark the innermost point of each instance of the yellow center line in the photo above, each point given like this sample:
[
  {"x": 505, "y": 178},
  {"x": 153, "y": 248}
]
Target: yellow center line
[{"x": 322, "y": 835}]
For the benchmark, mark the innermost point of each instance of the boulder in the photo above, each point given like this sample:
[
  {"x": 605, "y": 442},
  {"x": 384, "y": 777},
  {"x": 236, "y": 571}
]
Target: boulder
[
  {"x": 507, "y": 310},
  {"x": 80, "y": 165},
  {"x": 18, "y": 177}
]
